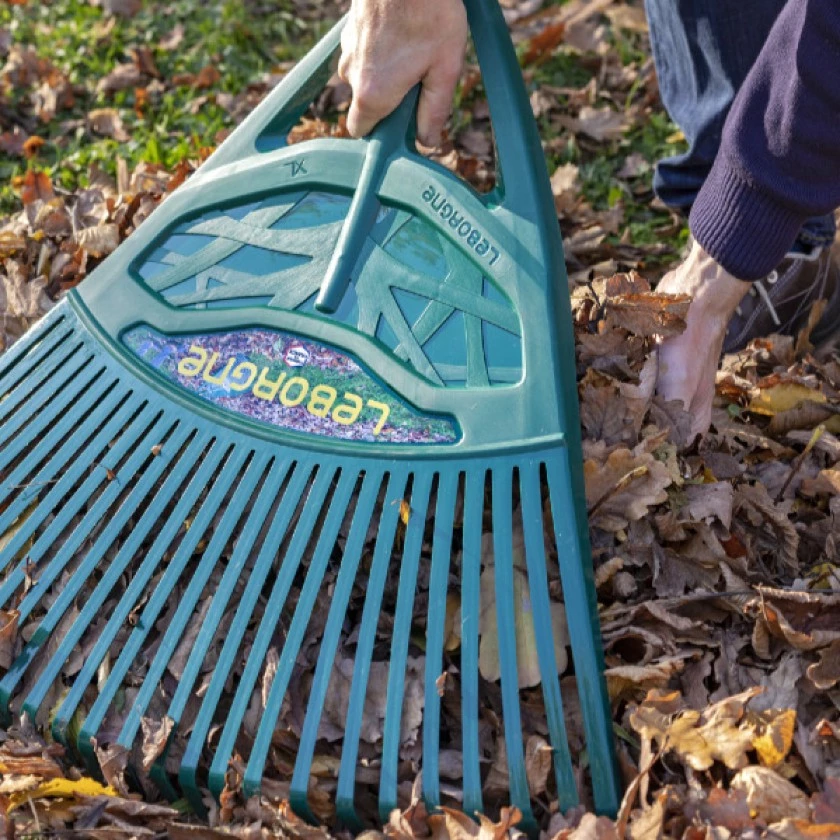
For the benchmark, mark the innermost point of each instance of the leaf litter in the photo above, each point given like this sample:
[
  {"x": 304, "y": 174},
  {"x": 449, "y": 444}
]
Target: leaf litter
[{"x": 716, "y": 560}]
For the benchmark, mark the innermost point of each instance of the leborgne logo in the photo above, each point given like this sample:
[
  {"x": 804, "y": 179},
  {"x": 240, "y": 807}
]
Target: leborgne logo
[{"x": 296, "y": 356}]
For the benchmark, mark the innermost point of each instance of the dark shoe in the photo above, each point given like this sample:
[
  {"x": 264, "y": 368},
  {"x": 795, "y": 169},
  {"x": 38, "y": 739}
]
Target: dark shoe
[{"x": 782, "y": 301}]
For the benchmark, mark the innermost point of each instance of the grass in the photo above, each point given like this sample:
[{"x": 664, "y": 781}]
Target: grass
[{"x": 242, "y": 40}]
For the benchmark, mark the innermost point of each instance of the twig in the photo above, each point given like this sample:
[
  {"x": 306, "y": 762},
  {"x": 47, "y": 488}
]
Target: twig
[{"x": 800, "y": 459}]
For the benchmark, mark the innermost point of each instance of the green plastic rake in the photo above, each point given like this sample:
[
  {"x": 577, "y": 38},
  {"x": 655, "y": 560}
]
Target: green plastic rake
[{"x": 330, "y": 361}]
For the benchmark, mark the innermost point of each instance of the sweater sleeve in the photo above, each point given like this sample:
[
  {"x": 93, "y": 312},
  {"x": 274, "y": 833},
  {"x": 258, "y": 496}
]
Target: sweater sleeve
[{"x": 779, "y": 159}]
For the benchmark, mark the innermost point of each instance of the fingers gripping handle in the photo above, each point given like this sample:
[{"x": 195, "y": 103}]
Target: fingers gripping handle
[{"x": 519, "y": 152}]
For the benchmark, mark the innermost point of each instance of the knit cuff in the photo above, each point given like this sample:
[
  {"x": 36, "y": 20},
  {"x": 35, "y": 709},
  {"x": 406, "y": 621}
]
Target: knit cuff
[{"x": 741, "y": 227}]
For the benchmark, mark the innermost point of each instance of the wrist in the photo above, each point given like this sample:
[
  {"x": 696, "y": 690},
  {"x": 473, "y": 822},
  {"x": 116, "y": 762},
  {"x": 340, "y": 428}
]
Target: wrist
[{"x": 714, "y": 291}]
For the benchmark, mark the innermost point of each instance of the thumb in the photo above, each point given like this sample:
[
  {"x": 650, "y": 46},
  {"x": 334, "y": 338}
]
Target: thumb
[{"x": 436, "y": 100}]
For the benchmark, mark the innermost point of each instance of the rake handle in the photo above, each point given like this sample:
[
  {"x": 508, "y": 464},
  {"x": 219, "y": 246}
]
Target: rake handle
[{"x": 393, "y": 134}]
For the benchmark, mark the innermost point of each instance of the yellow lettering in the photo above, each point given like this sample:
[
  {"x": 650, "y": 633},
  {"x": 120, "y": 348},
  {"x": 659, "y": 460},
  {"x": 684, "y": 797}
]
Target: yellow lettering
[
  {"x": 384, "y": 410},
  {"x": 193, "y": 365},
  {"x": 265, "y": 389},
  {"x": 302, "y": 384},
  {"x": 348, "y": 412},
  {"x": 219, "y": 378},
  {"x": 243, "y": 376},
  {"x": 322, "y": 400}
]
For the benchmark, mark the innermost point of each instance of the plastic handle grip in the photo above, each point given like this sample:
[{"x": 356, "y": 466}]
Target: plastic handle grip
[{"x": 392, "y": 136}]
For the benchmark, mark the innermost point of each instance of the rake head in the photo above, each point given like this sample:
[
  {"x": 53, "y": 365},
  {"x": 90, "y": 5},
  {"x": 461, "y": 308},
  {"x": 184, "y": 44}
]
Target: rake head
[{"x": 314, "y": 414}]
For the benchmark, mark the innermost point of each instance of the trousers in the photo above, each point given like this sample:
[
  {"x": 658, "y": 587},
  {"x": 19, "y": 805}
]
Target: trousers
[{"x": 703, "y": 50}]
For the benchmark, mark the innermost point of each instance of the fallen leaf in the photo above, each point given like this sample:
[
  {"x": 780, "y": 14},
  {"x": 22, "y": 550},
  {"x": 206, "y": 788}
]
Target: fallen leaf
[
  {"x": 108, "y": 122},
  {"x": 622, "y": 488},
  {"x": 527, "y": 660},
  {"x": 98, "y": 241},
  {"x": 649, "y": 314},
  {"x": 62, "y": 788},
  {"x": 36, "y": 186},
  {"x": 770, "y": 796}
]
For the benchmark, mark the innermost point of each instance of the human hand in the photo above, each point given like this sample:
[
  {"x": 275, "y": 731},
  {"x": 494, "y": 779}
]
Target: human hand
[
  {"x": 688, "y": 362},
  {"x": 388, "y": 46}
]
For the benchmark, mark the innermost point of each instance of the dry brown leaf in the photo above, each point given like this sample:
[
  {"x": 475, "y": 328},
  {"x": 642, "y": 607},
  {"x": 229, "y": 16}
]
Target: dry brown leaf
[
  {"x": 601, "y": 124},
  {"x": 98, "y": 241},
  {"x": 113, "y": 761},
  {"x": 622, "y": 488},
  {"x": 8, "y": 637},
  {"x": 770, "y": 796},
  {"x": 36, "y": 186},
  {"x": 720, "y": 733},
  {"x": 538, "y": 761},
  {"x": 541, "y": 45},
  {"x": 726, "y": 809},
  {"x": 825, "y": 674},
  {"x": 804, "y": 620},
  {"x": 565, "y": 185},
  {"x": 122, "y": 77},
  {"x": 527, "y": 660},
  {"x": 108, "y": 122},
  {"x": 155, "y": 738},
  {"x": 649, "y": 314}
]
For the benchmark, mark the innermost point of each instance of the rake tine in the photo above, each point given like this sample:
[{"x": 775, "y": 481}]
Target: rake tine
[
  {"x": 33, "y": 345},
  {"x": 49, "y": 440},
  {"x": 91, "y": 383},
  {"x": 470, "y": 611},
  {"x": 187, "y": 775},
  {"x": 94, "y": 601},
  {"x": 157, "y": 600},
  {"x": 25, "y": 400},
  {"x": 71, "y": 589},
  {"x": 215, "y": 614},
  {"x": 582, "y": 612},
  {"x": 33, "y": 356},
  {"x": 63, "y": 518},
  {"x": 162, "y": 543},
  {"x": 447, "y": 492},
  {"x": 94, "y": 515},
  {"x": 303, "y": 612},
  {"x": 400, "y": 640},
  {"x": 364, "y": 648},
  {"x": 268, "y": 624},
  {"x": 68, "y": 452},
  {"x": 506, "y": 618},
  {"x": 188, "y": 601},
  {"x": 532, "y": 524}
]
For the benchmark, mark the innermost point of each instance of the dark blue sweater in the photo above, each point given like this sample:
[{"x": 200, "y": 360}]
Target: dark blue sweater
[{"x": 779, "y": 159}]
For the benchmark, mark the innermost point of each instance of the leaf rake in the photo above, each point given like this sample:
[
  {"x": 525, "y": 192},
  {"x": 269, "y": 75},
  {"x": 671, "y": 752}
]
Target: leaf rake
[{"x": 306, "y": 389}]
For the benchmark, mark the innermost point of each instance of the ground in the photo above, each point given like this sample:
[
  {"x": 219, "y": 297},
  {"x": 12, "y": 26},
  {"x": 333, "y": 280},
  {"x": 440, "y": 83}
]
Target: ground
[{"x": 716, "y": 560}]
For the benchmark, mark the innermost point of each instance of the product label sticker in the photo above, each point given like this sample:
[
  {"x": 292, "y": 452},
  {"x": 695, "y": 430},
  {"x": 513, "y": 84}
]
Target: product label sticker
[{"x": 289, "y": 382}]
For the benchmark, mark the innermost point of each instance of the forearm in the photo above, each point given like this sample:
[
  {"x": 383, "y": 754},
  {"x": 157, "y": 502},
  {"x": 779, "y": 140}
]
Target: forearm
[{"x": 779, "y": 159}]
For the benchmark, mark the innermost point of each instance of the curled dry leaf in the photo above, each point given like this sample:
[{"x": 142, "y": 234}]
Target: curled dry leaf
[
  {"x": 108, "y": 122},
  {"x": 804, "y": 620},
  {"x": 98, "y": 241},
  {"x": 649, "y": 314},
  {"x": 770, "y": 796},
  {"x": 721, "y": 733},
  {"x": 825, "y": 674},
  {"x": 155, "y": 738},
  {"x": 623, "y": 487}
]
